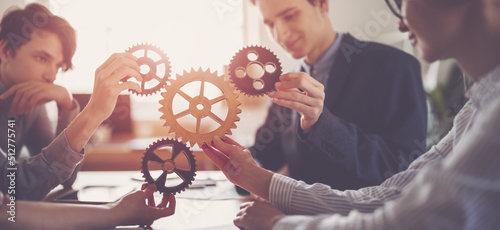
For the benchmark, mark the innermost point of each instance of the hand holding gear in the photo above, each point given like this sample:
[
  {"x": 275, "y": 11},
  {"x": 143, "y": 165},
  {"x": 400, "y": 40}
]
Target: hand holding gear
[
  {"x": 200, "y": 106},
  {"x": 155, "y": 68},
  {"x": 179, "y": 160},
  {"x": 254, "y": 70}
]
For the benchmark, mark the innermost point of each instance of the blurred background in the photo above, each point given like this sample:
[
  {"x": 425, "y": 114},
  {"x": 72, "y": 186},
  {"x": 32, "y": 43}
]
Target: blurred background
[{"x": 206, "y": 34}]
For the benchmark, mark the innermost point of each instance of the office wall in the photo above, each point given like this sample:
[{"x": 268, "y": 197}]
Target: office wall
[{"x": 6, "y": 4}]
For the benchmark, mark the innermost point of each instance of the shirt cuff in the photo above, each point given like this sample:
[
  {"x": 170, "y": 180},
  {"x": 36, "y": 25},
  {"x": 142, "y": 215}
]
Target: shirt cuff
[
  {"x": 280, "y": 192},
  {"x": 304, "y": 135}
]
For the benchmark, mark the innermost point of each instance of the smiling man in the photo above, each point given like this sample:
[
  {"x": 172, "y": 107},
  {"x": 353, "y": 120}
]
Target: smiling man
[{"x": 360, "y": 115}]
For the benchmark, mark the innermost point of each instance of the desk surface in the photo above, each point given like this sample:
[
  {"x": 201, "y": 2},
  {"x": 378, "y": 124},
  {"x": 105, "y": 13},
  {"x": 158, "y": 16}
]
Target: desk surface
[{"x": 207, "y": 207}]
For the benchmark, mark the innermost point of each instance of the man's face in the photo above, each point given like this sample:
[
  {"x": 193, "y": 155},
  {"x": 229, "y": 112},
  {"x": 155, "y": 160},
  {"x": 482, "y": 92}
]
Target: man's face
[
  {"x": 40, "y": 59},
  {"x": 297, "y": 25},
  {"x": 434, "y": 27}
]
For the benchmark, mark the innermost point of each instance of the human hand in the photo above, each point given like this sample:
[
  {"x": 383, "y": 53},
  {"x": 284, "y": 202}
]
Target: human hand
[
  {"x": 308, "y": 103},
  {"x": 236, "y": 162},
  {"x": 232, "y": 158},
  {"x": 257, "y": 215},
  {"x": 107, "y": 85},
  {"x": 132, "y": 208},
  {"x": 29, "y": 94}
]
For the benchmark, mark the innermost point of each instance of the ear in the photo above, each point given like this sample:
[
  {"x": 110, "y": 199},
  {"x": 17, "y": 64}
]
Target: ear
[{"x": 4, "y": 52}]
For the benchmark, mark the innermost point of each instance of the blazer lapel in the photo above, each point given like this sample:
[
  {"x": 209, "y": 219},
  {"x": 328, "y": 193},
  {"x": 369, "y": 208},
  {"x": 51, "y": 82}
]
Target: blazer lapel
[{"x": 340, "y": 70}]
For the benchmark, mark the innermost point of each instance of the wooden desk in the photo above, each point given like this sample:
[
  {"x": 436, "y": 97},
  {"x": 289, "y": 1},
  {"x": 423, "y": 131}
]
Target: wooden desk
[{"x": 211, "y": 207}]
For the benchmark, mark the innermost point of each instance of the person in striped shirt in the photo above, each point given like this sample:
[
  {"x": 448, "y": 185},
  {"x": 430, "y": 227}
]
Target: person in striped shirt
[{"x": 455, "y": 185}]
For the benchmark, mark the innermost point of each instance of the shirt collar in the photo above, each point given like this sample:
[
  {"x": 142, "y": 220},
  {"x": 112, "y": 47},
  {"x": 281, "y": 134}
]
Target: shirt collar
[
  {"x": 326, "y": 61},
  {"x": 487, "y": 88}
]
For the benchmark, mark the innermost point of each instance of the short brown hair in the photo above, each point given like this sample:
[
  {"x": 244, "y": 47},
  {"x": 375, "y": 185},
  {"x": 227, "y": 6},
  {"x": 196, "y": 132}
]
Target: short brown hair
[{"x": 18, "y": 25}]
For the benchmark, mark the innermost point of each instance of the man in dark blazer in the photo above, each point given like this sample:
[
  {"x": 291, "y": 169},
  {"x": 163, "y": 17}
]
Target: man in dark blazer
[{"x": 351, "y": 114}]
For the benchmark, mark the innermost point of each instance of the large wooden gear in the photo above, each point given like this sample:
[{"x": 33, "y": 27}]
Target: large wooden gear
[{"x": 200, "y": 106}]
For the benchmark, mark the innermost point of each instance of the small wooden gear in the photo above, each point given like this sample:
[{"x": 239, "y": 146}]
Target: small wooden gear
[
  {"x": 254, "y": 70},
  {"x": 155, "y": 68},
  {"x": 179, "y": 160}
]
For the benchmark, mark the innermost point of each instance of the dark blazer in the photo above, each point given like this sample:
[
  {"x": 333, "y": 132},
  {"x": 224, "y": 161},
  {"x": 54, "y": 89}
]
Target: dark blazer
[{"x": 373, "y": 123}]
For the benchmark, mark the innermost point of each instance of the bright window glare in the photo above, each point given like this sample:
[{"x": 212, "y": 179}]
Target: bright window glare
[{"x": 192, "y": 33}]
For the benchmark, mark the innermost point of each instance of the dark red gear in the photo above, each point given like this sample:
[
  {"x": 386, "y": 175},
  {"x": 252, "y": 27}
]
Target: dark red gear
[
  {"x": 146, "y": 59},
  {"x": 260, "y": 83},
  {"x": 169, "y": 166}
]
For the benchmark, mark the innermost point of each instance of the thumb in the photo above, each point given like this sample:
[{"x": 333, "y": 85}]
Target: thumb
[
  {"x": 227, "y": 148},
  {"x": 150, "y": 189}
]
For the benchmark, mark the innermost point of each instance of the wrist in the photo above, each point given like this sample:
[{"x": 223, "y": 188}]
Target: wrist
[
  {"x": 257, "y": 181},
  {"x": 82, "y": 128},
  {"x": 116, "y": 216}
]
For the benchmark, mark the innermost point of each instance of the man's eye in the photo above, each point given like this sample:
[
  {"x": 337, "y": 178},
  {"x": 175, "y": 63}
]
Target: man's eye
[
  {"x": 289, "y": 17},
  {"x": 40, "y": 58}
]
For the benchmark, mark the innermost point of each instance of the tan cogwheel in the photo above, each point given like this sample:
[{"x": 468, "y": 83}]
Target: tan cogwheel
[
  {"x": 155, "y": 68},
  {"x": 193, "y": 87}
]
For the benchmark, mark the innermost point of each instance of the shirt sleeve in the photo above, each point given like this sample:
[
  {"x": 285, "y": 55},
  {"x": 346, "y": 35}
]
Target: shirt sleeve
[
  {"x": 459, "y": 192},
  {"x": 296, "y": 197},
  {"x": 42, "y": 131},
  {"x": 37, "y": 175}
]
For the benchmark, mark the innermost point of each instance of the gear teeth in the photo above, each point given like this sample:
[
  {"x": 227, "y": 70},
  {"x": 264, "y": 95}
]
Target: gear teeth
[
  {"x": 145, "y": 60},
  {"x": 245, "y": 84},
  {"x": 174, "y": 88},
  {"x": 162, "y": 188}
]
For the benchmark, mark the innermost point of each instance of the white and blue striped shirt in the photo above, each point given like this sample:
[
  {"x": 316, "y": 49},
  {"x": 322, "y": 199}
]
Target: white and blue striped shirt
[{"x": 455, "y": 185}]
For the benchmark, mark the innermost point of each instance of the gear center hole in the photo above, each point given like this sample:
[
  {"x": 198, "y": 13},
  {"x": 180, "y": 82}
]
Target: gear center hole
[
  {"x": 255, "y": 71},
  {"x": 200, "y": 106},
  {"x": 145, "y": 69},
  {"x": 168, "y": 166}
]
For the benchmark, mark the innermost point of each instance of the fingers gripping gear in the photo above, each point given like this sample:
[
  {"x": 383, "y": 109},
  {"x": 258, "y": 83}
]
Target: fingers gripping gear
[
  {"x": 198, "y": 89},
  {"x": 179, "y": 160},
  {"x": 155, "y": 68},
  {"x": 254, "y": 70}
]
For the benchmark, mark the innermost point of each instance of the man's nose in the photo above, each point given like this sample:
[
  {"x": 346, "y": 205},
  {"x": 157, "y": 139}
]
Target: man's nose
[{"x": 50, "y": 75}]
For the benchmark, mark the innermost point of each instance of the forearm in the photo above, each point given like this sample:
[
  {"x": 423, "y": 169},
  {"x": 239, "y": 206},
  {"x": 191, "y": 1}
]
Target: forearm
[
  {"x": 42, "y": 215},
  {"x": 82, "y": 128},
  {"x": 295, "y": 197},
  {"x": 66, "y": 116}
]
